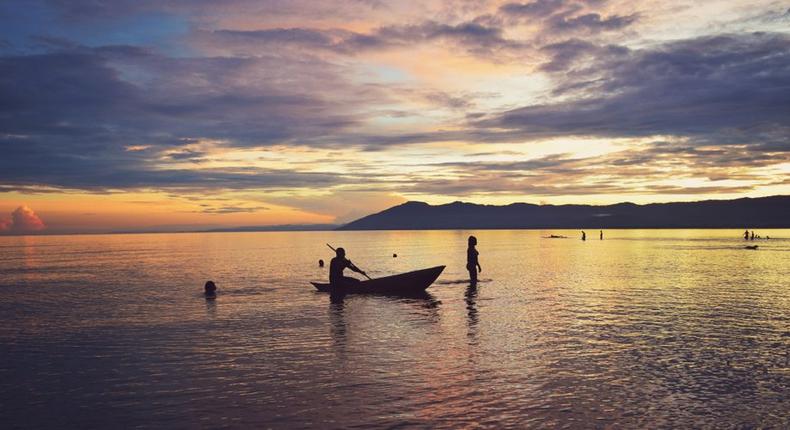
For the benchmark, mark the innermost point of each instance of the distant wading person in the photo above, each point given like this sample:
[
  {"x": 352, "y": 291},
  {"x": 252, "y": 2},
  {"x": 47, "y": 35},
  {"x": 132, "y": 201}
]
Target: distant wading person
[
  {"x": 210, "y": 289},
  {"x": 584, "y": 235},
  {"x": 472, "y": 264},
  {"x": 336, "y": 267}
]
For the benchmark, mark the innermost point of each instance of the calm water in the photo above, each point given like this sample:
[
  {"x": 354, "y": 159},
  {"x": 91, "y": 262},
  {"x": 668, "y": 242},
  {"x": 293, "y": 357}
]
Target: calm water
[{"x": 646, "y": 329}]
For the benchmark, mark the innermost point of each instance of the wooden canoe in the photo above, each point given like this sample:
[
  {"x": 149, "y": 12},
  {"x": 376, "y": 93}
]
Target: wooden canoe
[{"x": 403, "y": 283}]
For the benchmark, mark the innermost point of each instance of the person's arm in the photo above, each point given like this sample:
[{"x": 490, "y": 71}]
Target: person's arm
[
  {"x": 356, "y": 269},
  {"x": 477, "y": 261},
  {"x": 479, "y": 269}
]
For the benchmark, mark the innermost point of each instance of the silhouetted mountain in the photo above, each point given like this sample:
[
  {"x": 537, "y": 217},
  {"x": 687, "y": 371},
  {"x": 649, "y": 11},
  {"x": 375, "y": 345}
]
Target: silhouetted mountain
[{"x": 750, "y": 213}]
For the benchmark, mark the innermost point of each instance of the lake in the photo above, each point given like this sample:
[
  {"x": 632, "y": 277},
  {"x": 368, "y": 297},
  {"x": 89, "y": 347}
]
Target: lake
[{"x": 644, "y": 329}]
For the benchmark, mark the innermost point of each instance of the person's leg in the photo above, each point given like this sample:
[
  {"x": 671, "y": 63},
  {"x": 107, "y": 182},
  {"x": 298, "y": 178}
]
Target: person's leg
[{"x": 473, "y": 275}]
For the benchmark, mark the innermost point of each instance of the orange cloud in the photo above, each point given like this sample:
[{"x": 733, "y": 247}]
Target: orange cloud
[{"x": 23, "y": 220}]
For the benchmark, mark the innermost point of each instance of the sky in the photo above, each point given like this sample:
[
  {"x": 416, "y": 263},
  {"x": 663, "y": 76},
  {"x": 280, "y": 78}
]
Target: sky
[{"x": 131, "y": 115}]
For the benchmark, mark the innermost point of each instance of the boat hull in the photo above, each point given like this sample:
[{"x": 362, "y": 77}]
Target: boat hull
[{"x": 403, "y": 283}]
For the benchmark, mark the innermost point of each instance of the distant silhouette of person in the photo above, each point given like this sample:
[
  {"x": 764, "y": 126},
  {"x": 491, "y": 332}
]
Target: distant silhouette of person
[
  {"x": 752, "y": 234},
  {"x": 584, "y": 235},
  {"x": 601, "y": 238},
  {"x": 210, "y": 289},
  {"x": 746, "y": 235},
  {"x": 472, "y": 263},
  {"x": 320, "y": 263},
  {"x": 336, "y": 267}
]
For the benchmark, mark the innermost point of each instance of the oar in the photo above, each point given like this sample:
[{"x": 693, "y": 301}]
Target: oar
[{"x": 366, "y": 275}]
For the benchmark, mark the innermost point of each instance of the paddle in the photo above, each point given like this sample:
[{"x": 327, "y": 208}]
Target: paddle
[{"x": 366, "y": 275}]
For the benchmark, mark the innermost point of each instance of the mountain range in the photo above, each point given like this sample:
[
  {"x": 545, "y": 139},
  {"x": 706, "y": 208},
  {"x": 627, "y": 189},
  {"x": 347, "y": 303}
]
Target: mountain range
[{"x": 763, "y": 212}]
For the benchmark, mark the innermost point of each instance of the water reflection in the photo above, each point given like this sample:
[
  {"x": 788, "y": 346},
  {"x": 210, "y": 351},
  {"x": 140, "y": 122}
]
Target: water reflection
[
  {"x": 471, "y": 311},
  {"x": 211, "y": 306},
  {"x": 337, "y": 323},
  {"x": 644, "y": 329}
]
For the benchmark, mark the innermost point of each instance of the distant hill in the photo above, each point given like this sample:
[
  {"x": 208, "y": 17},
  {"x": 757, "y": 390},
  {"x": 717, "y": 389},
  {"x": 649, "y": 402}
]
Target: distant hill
[{"x": 763, "y": 212}]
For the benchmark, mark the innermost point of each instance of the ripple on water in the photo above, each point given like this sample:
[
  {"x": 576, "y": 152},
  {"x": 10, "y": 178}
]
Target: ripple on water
[{"x": 645, "y": 329}]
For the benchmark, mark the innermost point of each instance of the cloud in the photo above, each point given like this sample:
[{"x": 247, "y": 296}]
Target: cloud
[
  {"x": 82, "y": 10},
  {"x": 91, "y": 113},
  {"x": 68, "y": 118},
  {"x": 474, "y": 37},
  {"x": 565, "y": 16},
  {"x": 535, "y": 9},
  {"x": 23, "y": 220},
  {"x": 651, "y": 168},
  {"x": 572, "y": 52},
  {"x": 726, "y": 89},
  {"x": 219, "y": 210},
  {"x": 592, "y": 22}
]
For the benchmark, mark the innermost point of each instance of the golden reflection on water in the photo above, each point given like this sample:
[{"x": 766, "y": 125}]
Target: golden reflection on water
[{"x": 646, "y": 328}]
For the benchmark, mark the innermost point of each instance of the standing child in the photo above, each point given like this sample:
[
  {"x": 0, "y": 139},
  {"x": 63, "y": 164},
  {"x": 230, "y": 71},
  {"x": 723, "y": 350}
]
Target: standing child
[{"x": 472, "y": 264}]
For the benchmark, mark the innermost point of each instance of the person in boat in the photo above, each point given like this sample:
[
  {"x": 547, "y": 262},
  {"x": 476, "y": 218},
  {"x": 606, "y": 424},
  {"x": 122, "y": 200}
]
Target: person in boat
[
  {"x": 472, "y": 263},
  {"x": 338, "y": 265}
]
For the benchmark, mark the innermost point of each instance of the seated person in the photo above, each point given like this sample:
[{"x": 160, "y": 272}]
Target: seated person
[{"x": 336, "y": 267}]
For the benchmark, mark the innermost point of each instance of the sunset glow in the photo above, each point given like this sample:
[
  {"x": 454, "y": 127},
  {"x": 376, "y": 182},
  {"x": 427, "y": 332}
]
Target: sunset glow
[{"x": 147, "y": 115}]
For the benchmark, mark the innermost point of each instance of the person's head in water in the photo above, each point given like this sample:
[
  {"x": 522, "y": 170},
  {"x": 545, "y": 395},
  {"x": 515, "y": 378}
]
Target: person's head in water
[
  {"x": 210, "y": 287},
  {"x": 340, "y": 252},
  {"x": 472, "y": 241}
]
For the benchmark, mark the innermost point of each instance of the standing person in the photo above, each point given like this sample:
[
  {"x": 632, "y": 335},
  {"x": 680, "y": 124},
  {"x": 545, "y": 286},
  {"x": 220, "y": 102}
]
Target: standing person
[
  {"x": 746, "y": 235},
  {"x": 752, "y": 234},
  {"x": 584, "y": 235},
  {"x": 472, "y": 264},
  {"x": 336, "y": 267},
  {"x": 601, "y": 235}
]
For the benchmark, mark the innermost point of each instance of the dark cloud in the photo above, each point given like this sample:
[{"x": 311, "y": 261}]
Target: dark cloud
[
  {"x": 67, "y": 118},
  {"x": 571, "y": 53},
  {"x": 131, "y": 95},
  {"x": 592, "y": 22},
  {"x": 82, "y": 10},
  {"x": 727, "y": 89},
  {"x": 32, "y": 163},
  {"x": 535, "y": 9},
  {"x": 292, "y": 36}
]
